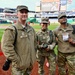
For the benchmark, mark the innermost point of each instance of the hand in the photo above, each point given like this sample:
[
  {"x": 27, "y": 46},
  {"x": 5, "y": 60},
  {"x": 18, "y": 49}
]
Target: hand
[
  {"x": 70, "y": 40},
  {"x": 47, "y": 49},
  {"x": 43, "y": 46},
  {"x": 51, "y": 47}
]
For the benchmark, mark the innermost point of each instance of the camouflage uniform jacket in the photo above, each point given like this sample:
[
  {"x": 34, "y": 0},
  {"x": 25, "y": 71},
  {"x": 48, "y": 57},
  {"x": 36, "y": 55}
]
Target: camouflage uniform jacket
[
  {"x": 64, "y": 46},
  {"x": 23, "y": 53},
  {"x": 44, "y": 37}
]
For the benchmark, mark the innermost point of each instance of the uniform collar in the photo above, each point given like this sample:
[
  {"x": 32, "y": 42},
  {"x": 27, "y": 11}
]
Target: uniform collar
[
  {"x": 43, "y": 31},
  {"x": 69, "y": 27},
  {"x": 20, "y": 26}
]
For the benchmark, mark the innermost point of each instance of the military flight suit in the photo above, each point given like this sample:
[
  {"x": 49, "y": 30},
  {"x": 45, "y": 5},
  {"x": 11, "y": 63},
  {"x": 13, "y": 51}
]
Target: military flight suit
[
  {"x": 66, "y": 51},
  {"x": 22, "y": 54},
  {"x": 44, "y": 38}
]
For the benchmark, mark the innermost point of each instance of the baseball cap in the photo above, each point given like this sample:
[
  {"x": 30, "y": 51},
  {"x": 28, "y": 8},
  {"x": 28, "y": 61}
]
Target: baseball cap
[
  {"x": 20, "y": 7},
  {"x": 61, "y": 15},
  {"x": 45, "y": 20}
]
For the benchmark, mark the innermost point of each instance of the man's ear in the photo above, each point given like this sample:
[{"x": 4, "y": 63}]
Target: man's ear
[{"x": 58, "y": 20}]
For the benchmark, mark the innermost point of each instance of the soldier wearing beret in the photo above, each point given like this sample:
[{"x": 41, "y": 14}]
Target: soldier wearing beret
[
  {"x": 22, "y": 54},
  {"x": 66, "y": 45},
  {"x": 46, "y": 44}
]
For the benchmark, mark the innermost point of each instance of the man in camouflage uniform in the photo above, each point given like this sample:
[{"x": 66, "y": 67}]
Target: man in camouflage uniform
[
  {"x": 46, "y": 44},
  {"x": 66, "y": 45},
  {"x": 22, "y": 54}
]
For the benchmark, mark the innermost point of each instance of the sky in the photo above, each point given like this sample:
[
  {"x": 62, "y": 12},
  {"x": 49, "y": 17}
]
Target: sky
[
  {"x": 13, "y": 3},
  {"x": 30, "y": 3}
]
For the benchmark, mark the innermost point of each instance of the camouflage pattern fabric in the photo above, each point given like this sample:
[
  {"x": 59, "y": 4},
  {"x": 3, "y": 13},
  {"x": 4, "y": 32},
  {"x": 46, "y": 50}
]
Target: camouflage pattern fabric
[
  {"x": 69, "y": 59},
  {"x": 42, "y": 54}
]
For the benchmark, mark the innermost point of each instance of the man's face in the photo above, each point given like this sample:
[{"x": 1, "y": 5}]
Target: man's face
[
  {"x": 22, "y": 15},
  {"x": 62, "y": 20}
]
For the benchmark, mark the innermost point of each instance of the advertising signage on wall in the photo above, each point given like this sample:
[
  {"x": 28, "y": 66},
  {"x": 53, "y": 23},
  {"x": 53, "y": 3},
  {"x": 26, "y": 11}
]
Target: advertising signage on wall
[
  {"x": 50, "y": 0},
  {"x": 63, "y": 2},
  {"x": 50, "y": 6},
  {"x": 69, "y": 1},
  {"x": 63, "y": 8}
]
